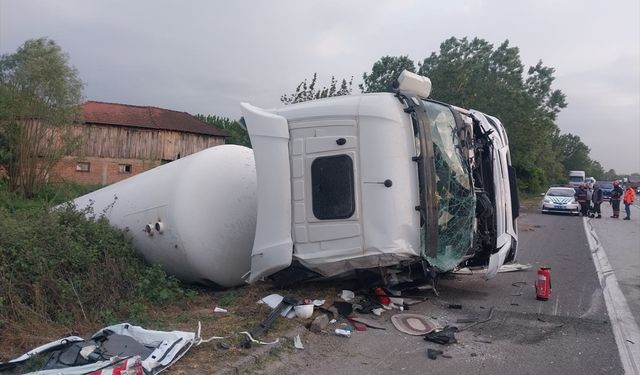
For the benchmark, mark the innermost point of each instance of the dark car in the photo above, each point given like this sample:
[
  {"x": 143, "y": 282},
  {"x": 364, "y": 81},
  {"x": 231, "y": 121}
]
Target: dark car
[{"x": 606, "y": 187}]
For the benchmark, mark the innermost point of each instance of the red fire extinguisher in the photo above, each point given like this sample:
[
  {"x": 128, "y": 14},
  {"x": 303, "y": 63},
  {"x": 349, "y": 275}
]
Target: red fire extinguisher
[{"x": 543, "y": 284}]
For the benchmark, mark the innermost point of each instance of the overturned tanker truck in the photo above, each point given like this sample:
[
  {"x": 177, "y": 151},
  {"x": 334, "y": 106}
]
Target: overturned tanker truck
[{"x": 331, "y": 186}]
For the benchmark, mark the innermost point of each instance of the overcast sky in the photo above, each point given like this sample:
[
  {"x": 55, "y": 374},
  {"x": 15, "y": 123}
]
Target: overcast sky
[{"x": 208, "y": 56}]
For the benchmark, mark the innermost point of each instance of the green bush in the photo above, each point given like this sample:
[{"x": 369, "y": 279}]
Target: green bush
[{"x": 60, "y": 266}]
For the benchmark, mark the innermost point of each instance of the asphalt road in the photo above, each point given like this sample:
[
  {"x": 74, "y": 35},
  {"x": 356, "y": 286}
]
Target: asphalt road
[{"x": 571, "y": 333}]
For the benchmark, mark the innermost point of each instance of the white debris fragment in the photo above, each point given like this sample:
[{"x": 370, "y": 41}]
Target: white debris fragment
[
  {"x": 347, "y": 295},
  {"x": 297, "y": 342}
]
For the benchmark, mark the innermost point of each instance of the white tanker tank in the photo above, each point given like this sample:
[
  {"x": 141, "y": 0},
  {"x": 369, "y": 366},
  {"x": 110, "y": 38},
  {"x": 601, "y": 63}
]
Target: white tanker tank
[{"x": 195, "y": 216}]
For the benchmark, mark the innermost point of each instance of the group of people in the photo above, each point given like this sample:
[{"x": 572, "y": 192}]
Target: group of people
[{"x": 586, "y": 195}]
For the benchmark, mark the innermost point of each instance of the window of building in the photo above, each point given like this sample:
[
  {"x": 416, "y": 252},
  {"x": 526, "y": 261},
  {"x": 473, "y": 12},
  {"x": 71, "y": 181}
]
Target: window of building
[
  {"x": 83, "y": 166},
  {"x": 125, "y": 168},
  {"x": 333, "y": 190}
]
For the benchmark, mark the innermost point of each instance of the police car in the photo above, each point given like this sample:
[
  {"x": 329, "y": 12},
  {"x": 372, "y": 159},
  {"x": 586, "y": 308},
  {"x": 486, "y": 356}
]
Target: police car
[{"x": 560, "y": 199}]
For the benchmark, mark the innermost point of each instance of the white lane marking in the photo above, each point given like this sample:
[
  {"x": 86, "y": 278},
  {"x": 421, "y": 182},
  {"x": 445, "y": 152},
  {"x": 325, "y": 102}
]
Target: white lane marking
[{"x": 625, "y": 329}]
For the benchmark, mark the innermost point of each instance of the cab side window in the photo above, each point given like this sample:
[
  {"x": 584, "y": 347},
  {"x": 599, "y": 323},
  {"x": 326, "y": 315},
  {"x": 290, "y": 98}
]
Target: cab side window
[{"x": 333, "y": 190}]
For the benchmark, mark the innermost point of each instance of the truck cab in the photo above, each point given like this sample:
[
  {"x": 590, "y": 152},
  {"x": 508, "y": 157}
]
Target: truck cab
[{"x": 374, "y": 180}]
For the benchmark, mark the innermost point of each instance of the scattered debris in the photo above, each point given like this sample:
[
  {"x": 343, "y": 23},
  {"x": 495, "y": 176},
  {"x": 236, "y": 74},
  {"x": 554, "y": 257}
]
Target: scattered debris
[
  {"x": 347, "y": 295},
  {"x": 219, "y": 310},
  {"x": 445, "y": 336},
  {"x": 383, "y": 298},
  {"x": 377, "y": 311},
  {"x": 413, "y": 324},
  {"x": 304, "y": 311},
  {"x": 251, "y": 339},
  {"x": 368, "y": 322},
  {"x": 514, "y": 267},
  {"x": 319, "y": 323},
  {"x": 113, "y": 349},
  {"x": 274, "y": 300},
  {"x": 286, "y": 304},
  {"x": 297, "y": 342},
  {"x": 224, "y": 345},
  {"x": 344, "y": 308},
  {"x": 358, "y": 326},
  {"x": 343, "y": 332},
  {"x": 433, "y": 353}
]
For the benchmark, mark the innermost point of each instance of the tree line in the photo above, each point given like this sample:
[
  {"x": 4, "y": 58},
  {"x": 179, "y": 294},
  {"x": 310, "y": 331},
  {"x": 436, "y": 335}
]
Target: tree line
[
  {"x": 37, "y": 82},
  {"x": 475, "y": 74}
]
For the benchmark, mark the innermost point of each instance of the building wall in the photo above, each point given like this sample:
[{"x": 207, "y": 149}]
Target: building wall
[
  {"x": 102, "y": 171},
  {"x": 107, "y": 148},
  {"x": 137, "y": 143}
]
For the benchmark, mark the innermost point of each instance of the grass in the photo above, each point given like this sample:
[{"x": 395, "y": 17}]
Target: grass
[{"x": 99, "y": 280}]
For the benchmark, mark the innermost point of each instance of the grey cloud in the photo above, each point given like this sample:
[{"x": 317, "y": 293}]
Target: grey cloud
[{"x": 207, "y": 57}]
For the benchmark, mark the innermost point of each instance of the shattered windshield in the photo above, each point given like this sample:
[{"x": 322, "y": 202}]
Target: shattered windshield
[{"x": 456, "y": 201}]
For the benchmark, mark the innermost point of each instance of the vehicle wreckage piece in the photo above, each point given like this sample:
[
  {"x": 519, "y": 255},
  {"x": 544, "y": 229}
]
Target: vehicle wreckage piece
[
  {"x": 338, "y": 184},
  {"x": 113, "y": 347}
]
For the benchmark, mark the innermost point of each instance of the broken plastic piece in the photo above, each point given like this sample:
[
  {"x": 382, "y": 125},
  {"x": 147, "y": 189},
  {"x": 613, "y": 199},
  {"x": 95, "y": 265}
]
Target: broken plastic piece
[
  {"x": 446, "y": 336},
  {"x": 297, "y": 342},
  {"x": 513, "y": 267},
  {"x": 273, "y": 300},
  {"x": 219, "y": 310},
  {"x": 347, "y": 295},
  {"x": 303, "y": 311},
  {"x": 343, "y": 332}
]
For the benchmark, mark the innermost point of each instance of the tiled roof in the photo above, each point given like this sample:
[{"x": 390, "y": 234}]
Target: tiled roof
[{"x": 145, "y": 117}]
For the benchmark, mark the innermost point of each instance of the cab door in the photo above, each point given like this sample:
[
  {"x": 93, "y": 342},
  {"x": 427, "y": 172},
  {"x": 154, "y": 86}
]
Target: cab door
[
  {"x": 325, "y": 180},
  {"x": 273, "y": 245}
]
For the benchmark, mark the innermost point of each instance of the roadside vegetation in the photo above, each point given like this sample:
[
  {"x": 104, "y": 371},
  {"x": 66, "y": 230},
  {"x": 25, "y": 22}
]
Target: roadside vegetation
[
  {"x": 60, "y": 266},
  {"x": 66, "y": 271}
]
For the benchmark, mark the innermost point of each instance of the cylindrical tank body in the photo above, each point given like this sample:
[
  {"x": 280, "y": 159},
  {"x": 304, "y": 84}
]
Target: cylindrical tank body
[{"x": 195, "y": 216}]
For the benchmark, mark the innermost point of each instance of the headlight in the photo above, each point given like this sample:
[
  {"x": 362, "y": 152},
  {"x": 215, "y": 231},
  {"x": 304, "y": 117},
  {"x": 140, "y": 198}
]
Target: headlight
[{"x": 547, "y": 200}]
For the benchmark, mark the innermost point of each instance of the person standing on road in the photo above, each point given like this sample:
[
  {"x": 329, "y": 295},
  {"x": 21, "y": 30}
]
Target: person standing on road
[
  {"x": 616, "y": 195},
  {"x": 581, "y": 197},
  {"x": 629, "y": 196},
  {"x": 598, "y": 197},
  {"x": 587, "y": 203}
]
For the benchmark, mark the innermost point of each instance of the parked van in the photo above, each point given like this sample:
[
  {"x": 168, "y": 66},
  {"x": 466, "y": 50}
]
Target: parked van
[{"x": 576, "y": 178}]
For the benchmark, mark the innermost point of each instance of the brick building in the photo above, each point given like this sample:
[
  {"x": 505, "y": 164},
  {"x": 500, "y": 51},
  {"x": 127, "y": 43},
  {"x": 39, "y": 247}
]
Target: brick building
[{"x": 120, "y": 140}]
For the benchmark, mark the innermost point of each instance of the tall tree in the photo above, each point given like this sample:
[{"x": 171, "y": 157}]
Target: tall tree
[
  {"x": 385, "y": 72},
  {"x": 238, "y": 135},
  {"x": 474, "y": 74},
  {"x": 306, "y": 91},
  {"x": 40, "y": 94}
]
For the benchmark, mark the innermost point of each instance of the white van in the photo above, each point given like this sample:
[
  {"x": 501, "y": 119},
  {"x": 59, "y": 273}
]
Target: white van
[{"x": 576, "y": 178}]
